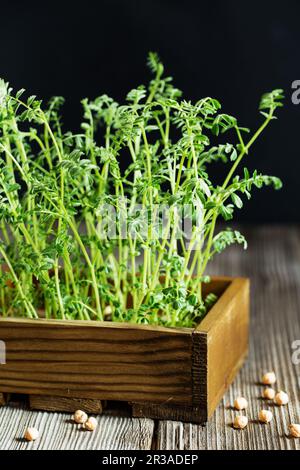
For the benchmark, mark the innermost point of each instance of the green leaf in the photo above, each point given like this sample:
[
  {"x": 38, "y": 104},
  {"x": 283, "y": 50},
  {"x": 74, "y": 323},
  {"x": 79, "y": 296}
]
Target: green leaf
[
  {"x": 226, "y": 238},
  {"x": 81, "y": 229},
  {"x": 271, "y": 101},
  {"x": 226, "y": 211},
  {"x": 237, "y": 200},
  {"x": 233, "y": 155}
]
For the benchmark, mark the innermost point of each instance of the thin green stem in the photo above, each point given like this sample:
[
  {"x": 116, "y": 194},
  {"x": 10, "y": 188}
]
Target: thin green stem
[{"x": 27, "y": 304}]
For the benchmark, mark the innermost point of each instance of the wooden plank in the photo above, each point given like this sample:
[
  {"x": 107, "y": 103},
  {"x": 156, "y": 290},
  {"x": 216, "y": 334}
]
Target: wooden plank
[
  {"x": 49, "y": 403},
  {"x": 97, "y": 360},
  {"x": 227, "y": 330},
  {"x": 165, "y": 411},
  {"x": 196, "y": 413},
  {"x": 58, "y": 432},
  {"x": 272, "y": 263},
  {"x": 2, "y": 399}
]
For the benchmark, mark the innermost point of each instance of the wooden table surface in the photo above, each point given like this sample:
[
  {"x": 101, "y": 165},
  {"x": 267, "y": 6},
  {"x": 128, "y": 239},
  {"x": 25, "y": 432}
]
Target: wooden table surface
[{"x": 273, "y": 264}]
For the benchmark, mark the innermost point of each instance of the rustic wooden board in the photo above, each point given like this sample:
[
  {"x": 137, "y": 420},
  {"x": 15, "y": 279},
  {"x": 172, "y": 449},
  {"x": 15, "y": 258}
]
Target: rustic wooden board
[
  {"x": 58, "y": 432},
  {"x": 96, "y": 360},
  {"x": 227, "y": 338},
  {"x": 273, "y": 264},
  {"x": 49, "y": 403}
]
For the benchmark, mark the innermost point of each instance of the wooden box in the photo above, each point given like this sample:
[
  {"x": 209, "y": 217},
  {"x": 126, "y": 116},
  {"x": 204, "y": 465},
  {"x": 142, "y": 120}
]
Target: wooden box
[{"x": 165, "y": 373}]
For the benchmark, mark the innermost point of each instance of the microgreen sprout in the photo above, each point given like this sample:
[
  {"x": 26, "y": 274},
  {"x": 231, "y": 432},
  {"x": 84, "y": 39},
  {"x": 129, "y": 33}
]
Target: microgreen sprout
[{"x": 80, "y": 232}]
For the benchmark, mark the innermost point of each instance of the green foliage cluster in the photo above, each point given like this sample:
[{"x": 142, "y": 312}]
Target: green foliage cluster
[{"x": 55, "y": 260}]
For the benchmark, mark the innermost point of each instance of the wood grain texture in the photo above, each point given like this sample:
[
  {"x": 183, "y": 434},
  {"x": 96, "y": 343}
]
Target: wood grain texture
[
  {"x": 49, "y": 403},
  {"x": 272, "y": 262},
  {"x": 57, "y": 431},
  {"x": 227, "y": 328},
  {"x": 194, "y": 414},
  {"x": 97, "y": 360},
  {"x": 2, "y": 399}
]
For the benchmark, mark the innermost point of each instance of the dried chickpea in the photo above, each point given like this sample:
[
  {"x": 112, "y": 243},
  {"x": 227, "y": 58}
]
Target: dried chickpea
[
  {"x": 31, "y": 434},
  {"x": 268, "y": 393},
  {"x": 240, "y": 403},
  {"x": 90, "y": 424},
  {"x": 80, "y": 417},
  {"x": 240, "y": 422},
  {"x": 281, "y": 398},
  {"x": 269, "y": 378},
  {"x": 265, "y": 416},
  {"x": 295, "y": 430}
]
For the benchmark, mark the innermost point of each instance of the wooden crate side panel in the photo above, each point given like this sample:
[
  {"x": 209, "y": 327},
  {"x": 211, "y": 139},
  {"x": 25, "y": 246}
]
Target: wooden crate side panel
[
  {"x": 63, "y": 404},
  {"x": 176, "y": 413},
  {"x": 217, "y": 285},
  {"x": 197, "y": 413},
  {"x": 200, "y": 373},
  {"x": 106, "y": 363},
  {"x": 227, "y": 340}
]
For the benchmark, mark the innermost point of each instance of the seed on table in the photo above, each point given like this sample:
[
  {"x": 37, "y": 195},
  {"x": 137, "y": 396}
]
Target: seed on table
[
  {"x": 269, "y": 378},
  {"x": 281, "y": 398},
  {"x": 240, "y": 422},
  {"x": 31, "y": 434},
  {"x": 240, "y": 403},
  {"x": 294, "y": 430},
  {"x": 265, "y": 416},
  {"x": 268, "y": 393},
  {"x": 90, "y": 424},
  {"x": 80, "y": 417}
]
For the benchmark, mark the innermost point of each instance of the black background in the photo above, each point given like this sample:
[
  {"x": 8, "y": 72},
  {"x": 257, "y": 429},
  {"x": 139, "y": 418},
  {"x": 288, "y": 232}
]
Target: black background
[{"x": 231, "y": 50}]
